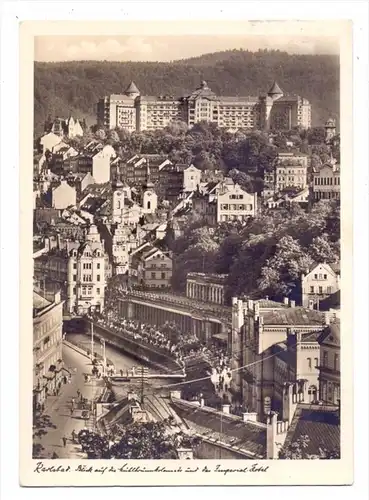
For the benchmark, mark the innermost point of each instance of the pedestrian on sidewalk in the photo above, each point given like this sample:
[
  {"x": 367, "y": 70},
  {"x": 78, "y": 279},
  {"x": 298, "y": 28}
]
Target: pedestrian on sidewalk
[
  {"x": 74, "y": 435},
  {"x": 78, "y": 393},
  {"x": 64, "y": 439},
  {"x": 71, "y": 412}
]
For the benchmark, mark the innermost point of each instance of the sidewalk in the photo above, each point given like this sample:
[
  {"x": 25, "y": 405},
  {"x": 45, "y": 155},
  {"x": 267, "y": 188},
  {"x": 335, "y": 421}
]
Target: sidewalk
[{"x": 59, "y": 408}]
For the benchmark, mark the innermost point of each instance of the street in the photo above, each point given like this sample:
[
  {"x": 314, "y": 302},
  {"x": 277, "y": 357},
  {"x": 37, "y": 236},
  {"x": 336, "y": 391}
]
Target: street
[
  {"x": 59, "y": 408},
  {"x": 120, "y": 360}
]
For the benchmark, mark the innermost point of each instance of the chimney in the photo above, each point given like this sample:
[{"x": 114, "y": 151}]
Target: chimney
[
  {"x": 271, "y": 446},
  {"x": 327, "y": 318},
  {"x": 225, "y": 408},
  {"x": 285, "y": 301},
  {"x": 175, "y": 394},
  {"x": 288, "y": 408},
  {"x": 57, "y": 297},
  {"x": 131, "y": 396},
  {"x": 292, "y": 303},
  {"x": 249, "y": 417}
]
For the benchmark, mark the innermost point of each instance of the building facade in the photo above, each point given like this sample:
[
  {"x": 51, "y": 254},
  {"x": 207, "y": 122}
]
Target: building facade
[
  {"x": 123, "y": 242},
  {"x": 235, "y": 204},
  {"x": 326, "y": 182},
  {"x": 134, "y": 171},
  {"x": 47, "y": 345},
  {"x": 101, "y": 164},
  {"x": 257, "y": 329},
  {"x": 150, "y": 267},
  {"x": 191, "y": 178},
  {"x": 290, "y": 171},
  {"x": 63, "y": 196},
  {"x": 135, "y": 112},
  {"x": 329, "y": 368},
  {"x": 87, "y": 274},
  {"x": 206, "y": 287},
  {"x": 319, "y": 283}
]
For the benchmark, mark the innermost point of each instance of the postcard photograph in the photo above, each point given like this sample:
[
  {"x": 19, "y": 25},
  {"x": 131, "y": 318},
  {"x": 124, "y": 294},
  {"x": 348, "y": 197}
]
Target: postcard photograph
[{"x": 187, "y": 258}]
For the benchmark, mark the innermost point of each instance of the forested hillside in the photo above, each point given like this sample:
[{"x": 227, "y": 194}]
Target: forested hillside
[
  {"x": 64, "y": 87},
  {"x": 265, "y": 257}
]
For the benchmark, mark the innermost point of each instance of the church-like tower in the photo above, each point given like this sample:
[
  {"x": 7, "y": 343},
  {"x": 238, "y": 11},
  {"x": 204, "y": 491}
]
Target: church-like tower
[
  {"x": 149, "y": 198},
  {"x": 330, "y": 129},
  {"x": 117, "y": 201}
]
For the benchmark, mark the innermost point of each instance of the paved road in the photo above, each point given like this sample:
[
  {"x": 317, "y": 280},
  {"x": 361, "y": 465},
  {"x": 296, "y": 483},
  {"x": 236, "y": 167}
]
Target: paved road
[
  {"x": 59, "y": 408},
  {"x": 121, "y": 361}
]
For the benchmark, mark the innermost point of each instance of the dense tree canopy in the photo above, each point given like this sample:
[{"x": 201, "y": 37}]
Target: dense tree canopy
[
  {"x": 266, "y": 256},
  {"x": 151, "y": 440}
]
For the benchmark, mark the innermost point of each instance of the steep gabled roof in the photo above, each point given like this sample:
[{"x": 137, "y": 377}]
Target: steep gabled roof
[{"x": 335, "y": 267}]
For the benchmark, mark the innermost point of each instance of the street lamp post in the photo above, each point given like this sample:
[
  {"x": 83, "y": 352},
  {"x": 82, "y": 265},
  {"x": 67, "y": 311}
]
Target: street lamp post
[
  {"x": 92, "y": 341},
  {"x": 92, "y": 333},
  {"x": 102, "y": 341}
]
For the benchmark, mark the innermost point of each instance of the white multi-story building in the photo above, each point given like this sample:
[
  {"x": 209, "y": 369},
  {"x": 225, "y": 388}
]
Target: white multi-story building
[
  {"x": 290, "y": 171},
  {"x": 133, "y": 111},
  {"x": 63, "y": 196},
  {"x": 235, "y": 204},
  {"x": 47, "y": 344},
  {"x": 326, "y": 182},
  {"x": 87, "y": 269},
  {"x": 191, "y": 178},
  {"x": 319, "y": 282}
]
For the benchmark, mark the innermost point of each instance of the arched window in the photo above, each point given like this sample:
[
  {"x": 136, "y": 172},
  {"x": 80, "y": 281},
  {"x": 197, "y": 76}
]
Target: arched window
[
  {"x": 148, "y": 205},
  {"x": 118, "y": 204}
]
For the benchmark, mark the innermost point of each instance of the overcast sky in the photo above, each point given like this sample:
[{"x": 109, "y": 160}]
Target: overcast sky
[{"x": 168, "y": 48}]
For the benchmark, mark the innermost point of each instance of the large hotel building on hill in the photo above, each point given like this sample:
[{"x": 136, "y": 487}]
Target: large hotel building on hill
[{"x": 272, "y": 111}]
